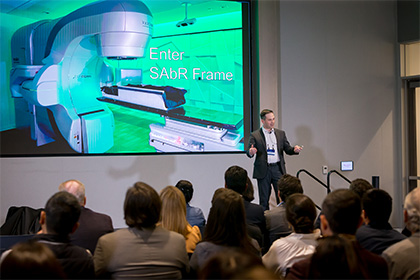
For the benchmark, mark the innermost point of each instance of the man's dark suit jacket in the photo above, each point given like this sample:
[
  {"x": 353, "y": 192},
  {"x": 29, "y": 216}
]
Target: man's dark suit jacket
[
  {"x": 258, "y": 140},
  {"x": 377, "y": 237},
  {"x": 255, "y": 220},
  {"x": 92, "y": 225},
  {"x": 76, "y": 262},
  {"x": 277, "y": 224}
]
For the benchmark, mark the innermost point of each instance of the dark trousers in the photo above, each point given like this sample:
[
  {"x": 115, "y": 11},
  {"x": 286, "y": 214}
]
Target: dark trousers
[{"x": 264, "y": 185}]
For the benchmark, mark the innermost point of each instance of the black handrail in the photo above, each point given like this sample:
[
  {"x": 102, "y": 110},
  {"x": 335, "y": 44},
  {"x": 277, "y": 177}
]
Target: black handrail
[
  {"x": 338, "y": 173},
  {"x": 313, "y": 177}
]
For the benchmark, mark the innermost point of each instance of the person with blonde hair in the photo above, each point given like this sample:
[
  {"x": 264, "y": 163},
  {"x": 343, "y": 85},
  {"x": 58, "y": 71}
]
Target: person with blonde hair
[{"x": 174, "y": 217}]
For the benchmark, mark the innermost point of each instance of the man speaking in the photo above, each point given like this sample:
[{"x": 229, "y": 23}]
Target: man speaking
[{"x": 268, "y": 144}]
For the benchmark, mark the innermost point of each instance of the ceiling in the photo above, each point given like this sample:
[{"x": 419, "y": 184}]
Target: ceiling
[{"x": 170, "y": 10}]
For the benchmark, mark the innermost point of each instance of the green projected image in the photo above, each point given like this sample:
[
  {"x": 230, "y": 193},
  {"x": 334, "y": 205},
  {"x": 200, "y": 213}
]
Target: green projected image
[
  {"x": 132, "y": 77},
  {"x": 211, "y": 68}
]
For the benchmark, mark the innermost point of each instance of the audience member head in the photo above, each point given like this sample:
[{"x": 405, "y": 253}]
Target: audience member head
[
  {"x": 186, "y": 188},
  {"x": 360, "y": 186},
  {"x": 334, "y": 258},
  {"x": 142, "y": 206},
  {"x": 341, "y": 213},
  {"x": 412, "y": 210},
  {"x": 236, "y": 178},
  {"x": 30, "y": 260},
  {"x": 226, "y": 224},
  {"x": 76, "y": 188},
  {"x": 377, "y": 206},
  {"x": 288, "y": 185},
  {"x": 61, "y": 214},
  {"x": 248, "y": 194},
  {"x": 234, "y": 263},
  {"x": 301, "y": 213},
  {"x": 174, "y": 210}
]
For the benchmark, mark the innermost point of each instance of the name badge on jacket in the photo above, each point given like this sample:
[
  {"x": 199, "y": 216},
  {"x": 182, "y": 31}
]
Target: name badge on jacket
[{"x": 271, "y": 151}]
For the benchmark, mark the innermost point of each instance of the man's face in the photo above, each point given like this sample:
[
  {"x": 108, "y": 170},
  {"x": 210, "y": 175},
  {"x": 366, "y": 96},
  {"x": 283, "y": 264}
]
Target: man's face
[{"x": 269, "y": 121}]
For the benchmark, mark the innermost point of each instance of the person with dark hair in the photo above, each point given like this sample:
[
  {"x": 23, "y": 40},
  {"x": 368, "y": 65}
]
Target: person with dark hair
[
  {"x": 287, "y": 186},
  {"x": 30, "y": 260},
  {"x": 58, "y": 221},
  {"x": 342, "y": 215},
  {"x": 248, "y": 194},
  {"x": 195, "y": 216},
  {"x": 234, "y": 263},
  {"x": 277, "y": 224},
  {"x": 377, "y": 234},
  {"x": 403, "y": 257},
  {"x": 236, "y": 179},
  {"x": 144, "y": 249},
  {"x": 92, "y": 225},
  {"x": 335, "y": 258},
  {"x": 301, "y": 214},
  {"x": 360, "y": 186},
  {"x": 226, "y": 228},
  {"x": 269, "y": 145}
]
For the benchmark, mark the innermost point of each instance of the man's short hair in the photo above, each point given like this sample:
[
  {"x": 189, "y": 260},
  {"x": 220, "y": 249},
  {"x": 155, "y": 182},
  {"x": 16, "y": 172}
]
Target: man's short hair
[
  {"x": 236, "y": 178},
  {"x": 342, "y": 209},
  {"x": 288, "y": 185},
  {"x": 142, "y": 206},
  {"x": 412, "y": 207},
  {"x": 360, "y": 186},
  {"x": 62, "y": 213},
  {"x": 377, "y": 205},
  {"x": 186, "y": 188},
  {"x": 265, "y": 112},
  {"x": 76, "y": 188}
]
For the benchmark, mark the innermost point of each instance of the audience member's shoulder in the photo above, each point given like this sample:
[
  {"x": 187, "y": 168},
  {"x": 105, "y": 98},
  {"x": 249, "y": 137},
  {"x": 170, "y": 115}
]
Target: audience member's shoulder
[
  {"x": 70, "y": 251},
  {"x": 376, "y": 264},
  {"x": 369, "y": 257},
  {"x": 300, "y": 269},
  {"x": 364, "y": 229},
  {"x": 196, "y": 210},
  {"x": 397, "y": 247},
  {"x": 177, "y": 236},
  {"x": 275, "y": 211},
  {"x": 196, "y": 230},
  {"x": 254, "y": 207},
  {"x": 115, "y": 235},
  {"x": 206, "y": 245},
  {"x": 83, "y": 252},
  {"x": 94, "y": 213},
  {"x": 173, "y": 236}
]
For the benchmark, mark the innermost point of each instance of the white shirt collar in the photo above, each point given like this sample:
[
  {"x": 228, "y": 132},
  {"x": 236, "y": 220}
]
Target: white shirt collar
[{"x": 267, "y": 130}]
